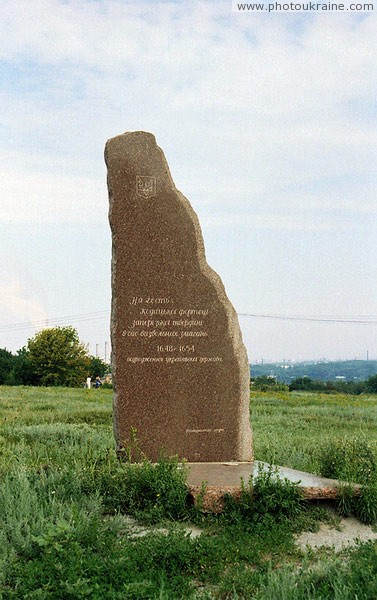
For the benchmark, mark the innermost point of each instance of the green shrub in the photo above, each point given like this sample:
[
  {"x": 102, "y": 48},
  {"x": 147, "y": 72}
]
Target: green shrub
[
  {"x": 365, "y": 505},
  {"x": 345, "y": 504},
  {"x": 266, "y": 384},
  {"x": 267, "y": 497},
  {"x": 362, "y": 504},
  {"x": 352, "y": 460},
  {"x": 107, "y": 386},
  {"x": 350, "y": 577},
  {"x": 349, "y": 459},
  {"x": 307, "y": 384},
  {"x": 151, "y": 492}
]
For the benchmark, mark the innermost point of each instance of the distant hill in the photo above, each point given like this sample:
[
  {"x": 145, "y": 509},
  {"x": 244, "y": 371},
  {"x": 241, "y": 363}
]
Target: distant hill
[{"x": 348, "y": 370}]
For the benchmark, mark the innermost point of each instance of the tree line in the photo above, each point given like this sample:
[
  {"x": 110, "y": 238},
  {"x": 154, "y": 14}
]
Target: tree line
[
  {"x": 265, "y": 383},
  {"x": 53, "y": 357},
  {"x": 349, "y": 370}
]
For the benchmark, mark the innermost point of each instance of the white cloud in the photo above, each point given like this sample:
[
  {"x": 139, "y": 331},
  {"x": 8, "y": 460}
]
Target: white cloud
[
  {"x": 277, "y": 220},
  {"x": 37, "y": 197},
  {"x": 243, "y": 118},
  {"x": 265, "y": 101},
  {"x": 18, "y": 306}
]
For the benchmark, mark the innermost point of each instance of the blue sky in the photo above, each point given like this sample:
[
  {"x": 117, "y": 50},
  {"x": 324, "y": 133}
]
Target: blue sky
[{"x": 268, "y": 122}]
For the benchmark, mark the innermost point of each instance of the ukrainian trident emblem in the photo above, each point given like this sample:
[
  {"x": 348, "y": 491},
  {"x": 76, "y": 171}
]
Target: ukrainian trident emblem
[{"x": 146, "y": 186}]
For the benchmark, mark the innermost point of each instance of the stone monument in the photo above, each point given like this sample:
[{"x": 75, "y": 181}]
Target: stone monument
[{"x": 180, "y": 369}]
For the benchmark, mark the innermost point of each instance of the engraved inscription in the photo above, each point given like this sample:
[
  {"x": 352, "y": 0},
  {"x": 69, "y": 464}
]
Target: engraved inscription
[
  {"x": 217, "y": 430},
  {"x": 146, "y": 186},
  {"x": 172, "y": 334}
]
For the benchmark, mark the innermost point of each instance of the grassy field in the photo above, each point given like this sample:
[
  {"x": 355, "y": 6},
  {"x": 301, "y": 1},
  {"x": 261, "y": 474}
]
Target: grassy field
[
  {"x": 291, "y": 428},
  {"x": 65, "y": 503}
]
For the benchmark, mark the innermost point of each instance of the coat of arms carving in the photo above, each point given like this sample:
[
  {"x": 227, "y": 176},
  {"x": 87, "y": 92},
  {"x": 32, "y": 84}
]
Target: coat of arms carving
[{"x": 146, "y": 186}]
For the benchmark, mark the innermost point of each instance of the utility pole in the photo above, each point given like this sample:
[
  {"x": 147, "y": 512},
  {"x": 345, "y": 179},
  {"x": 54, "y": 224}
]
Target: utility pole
[{"x": 97, "y": 350}]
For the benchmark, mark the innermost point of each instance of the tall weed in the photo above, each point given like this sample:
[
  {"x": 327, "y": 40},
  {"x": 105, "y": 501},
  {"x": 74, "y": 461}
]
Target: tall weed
[
  {"x": 348, "y": 577},
  {"x": 352, "y": 461},
  {"x": 267, "y": 497},
  {"x": 348, "y": 459},
  {"x": 365, "y": 504},
  {"x": 151, "y": 492}
]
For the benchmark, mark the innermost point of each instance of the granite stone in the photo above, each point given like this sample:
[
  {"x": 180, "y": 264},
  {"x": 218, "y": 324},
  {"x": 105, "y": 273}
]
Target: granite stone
[{"x": 180, "y": 369}]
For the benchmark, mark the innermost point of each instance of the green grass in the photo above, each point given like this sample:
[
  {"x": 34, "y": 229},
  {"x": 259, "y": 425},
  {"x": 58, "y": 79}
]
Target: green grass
[
  {"x": 65, "y": 501},
  {"x": 290, "y": 428}
]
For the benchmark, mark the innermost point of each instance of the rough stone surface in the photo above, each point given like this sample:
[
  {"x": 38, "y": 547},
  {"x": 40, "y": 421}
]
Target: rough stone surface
[{"x": 180, "y": 368}]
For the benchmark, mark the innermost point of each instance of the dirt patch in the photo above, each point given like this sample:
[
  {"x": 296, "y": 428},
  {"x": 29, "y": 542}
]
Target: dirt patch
[
  {"x": 136, "y": 530},
  {"x": 346, "y": 533}
]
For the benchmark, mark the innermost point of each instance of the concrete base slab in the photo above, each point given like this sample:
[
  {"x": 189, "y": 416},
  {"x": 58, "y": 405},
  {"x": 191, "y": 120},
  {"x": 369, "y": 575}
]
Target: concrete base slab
[{"x": 219, "y": 479}]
